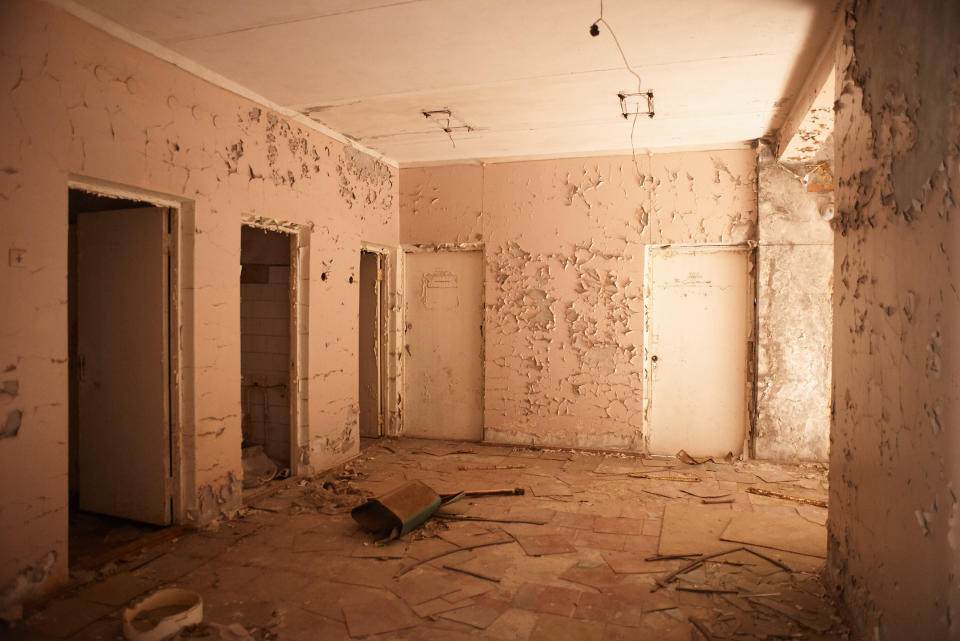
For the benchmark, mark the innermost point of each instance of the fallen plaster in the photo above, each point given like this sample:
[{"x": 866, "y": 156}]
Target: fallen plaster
[
  {"x": 892, "y": 538},
  {"x": 28, "y": 582}
]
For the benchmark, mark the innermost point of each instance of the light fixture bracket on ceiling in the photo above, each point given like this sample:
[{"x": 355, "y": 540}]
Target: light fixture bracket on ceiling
[
  {"x": 634, "y": 108},
  {"x": 447, "y": 121}
]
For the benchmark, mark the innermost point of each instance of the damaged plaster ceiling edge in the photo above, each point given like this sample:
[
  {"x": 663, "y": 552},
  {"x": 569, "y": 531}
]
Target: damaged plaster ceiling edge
[
  {"x": 589, "y": 153},
  {"x": 194, "y": 68},
  {"x": 812, "y": 84}
]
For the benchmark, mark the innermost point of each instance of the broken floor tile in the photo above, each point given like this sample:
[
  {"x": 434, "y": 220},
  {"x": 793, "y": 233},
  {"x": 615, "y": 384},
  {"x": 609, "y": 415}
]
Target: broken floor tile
[
  {"x": 788, "y": 532},
  {"x": 428, "y": 548},
  {"x": 631, "y": 563},
  {"x": 529, "y": 513},
  {"x": 813, "y": 513},
  {"x": 599, "y": 541},
  {"x": 665, "y": 492},
  {"x": 550, "y": 627},
  {"x": 513, "y": 625},
  {"x": 467, "y": 537},
  {"x": 541, "y": 486},
  {"x": 706, "y": 492},
  {"x": 574, "y": 520},
  {"x": 693, "y": 529},
  {"x": 736, "y": 476},
  {"x": 479, "y": 615},
  {"x": 652, "y": 527},
  {"x": 601, "y": 607},
  {"x": 297, "y": 624},
  {"x": 598, "y": 577},
  {"x": 554, "y": 600},
  {"x": 545, "y": 544},
  {"x": 488, "y": 566},
  {"x": 377, "y": 616},
  {"x": 468, "y": 587},
  {"x": 371, "y": 573},
  {"x": 423, "y": 584},
  {"x": 436, "y": 606},
  {"x": 527, "y": 594},
  {"x": 618, "y": 525}
]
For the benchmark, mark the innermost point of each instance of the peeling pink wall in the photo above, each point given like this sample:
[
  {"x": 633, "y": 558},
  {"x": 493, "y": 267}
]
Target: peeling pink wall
[
  {"x": 563, "y": 245},
  {"x": 77, "y": 101},
  {"x": 895, "y": 457}
]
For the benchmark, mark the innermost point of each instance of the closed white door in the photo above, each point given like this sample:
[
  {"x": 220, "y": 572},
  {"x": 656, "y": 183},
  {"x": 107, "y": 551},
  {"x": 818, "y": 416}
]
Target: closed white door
[
  {"x": 699, "y": 319},
  {"x": 443, "y": 351},
  {"x": 123, "y": 449}
]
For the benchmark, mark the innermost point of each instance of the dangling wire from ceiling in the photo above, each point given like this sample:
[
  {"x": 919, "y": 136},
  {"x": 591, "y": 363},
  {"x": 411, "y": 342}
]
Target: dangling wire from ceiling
[
  {"x": 595, "y": 31},
  {"x": 648, "y": 94}
]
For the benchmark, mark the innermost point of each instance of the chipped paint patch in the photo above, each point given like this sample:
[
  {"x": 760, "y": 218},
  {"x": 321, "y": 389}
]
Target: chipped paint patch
[
  {"x": 564, "y": 242},
  {"x": 896, "y": 378}
]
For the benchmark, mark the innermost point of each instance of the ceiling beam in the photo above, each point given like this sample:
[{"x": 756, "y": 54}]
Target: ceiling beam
[{"x": 814, "y": 82}]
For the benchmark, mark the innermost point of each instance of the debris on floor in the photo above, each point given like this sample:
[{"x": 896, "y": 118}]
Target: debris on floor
[
  {"x": 258, "y": 468},
  {"x": 576, "y": 545},
  {"x": 162, "y": 614}
]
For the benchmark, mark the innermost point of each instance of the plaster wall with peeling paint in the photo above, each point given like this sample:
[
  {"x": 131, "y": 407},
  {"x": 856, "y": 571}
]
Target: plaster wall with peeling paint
[
  {"x": 794, "y": 311},
  {"x": 894, "y": 529},
  {"x": 80, "y": 104},
  {"x": 564, "y": 250}
]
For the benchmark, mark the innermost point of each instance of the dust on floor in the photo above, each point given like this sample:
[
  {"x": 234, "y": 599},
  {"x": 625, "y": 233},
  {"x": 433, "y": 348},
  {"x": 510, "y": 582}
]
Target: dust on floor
[{"x": 577, "y": 556}]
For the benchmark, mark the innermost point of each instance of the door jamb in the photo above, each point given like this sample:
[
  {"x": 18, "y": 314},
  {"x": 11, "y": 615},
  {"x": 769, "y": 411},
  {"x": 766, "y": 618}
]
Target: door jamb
[
  {"x": 390, "y": 325},
  {"x": 178, "y": 211},
  {"x": 299, "y": 377}
]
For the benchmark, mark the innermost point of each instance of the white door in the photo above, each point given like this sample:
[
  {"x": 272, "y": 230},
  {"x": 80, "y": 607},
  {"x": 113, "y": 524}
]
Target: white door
[
  {"x": 124, "y": 455},
  {"x": 369, "y": 344},
  {"x": 699, "y": 318},
  {"x": 443, "y": 367}
]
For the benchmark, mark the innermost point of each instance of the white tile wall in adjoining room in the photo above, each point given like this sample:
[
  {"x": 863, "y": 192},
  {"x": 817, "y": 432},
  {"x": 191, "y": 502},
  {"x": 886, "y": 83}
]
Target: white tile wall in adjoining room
[{"x": 265, "y": 360}]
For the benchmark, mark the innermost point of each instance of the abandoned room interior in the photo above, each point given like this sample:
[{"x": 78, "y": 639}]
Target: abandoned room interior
[{"x": 449, "y": 319}]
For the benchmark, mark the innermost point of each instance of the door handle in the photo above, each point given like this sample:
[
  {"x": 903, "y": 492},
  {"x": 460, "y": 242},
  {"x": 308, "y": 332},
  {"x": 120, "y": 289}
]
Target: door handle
[{"x": 654, "y": 358}]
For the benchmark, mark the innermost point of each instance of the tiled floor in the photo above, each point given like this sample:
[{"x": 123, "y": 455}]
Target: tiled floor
[{"x": 566, "y": 560}]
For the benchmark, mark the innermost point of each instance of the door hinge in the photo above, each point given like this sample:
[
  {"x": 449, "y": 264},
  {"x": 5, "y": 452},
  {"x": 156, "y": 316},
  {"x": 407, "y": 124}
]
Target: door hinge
[{"x": 379, "y": 274}]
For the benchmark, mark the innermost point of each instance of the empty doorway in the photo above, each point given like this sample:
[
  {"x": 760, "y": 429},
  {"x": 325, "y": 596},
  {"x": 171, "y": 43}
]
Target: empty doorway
[
  {"x": 370, "y": 348},
  {"x": 122, "y": 357},
  {"x": 268, "y": 344},
  {"x": 443, "y": 351},
  {"x": 699, "y": 323}
]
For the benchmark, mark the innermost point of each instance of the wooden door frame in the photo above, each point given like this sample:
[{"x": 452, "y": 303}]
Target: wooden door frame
[
  {"x": 383, "y": 255},
  {"x": 178, "y": 209},
  {"x": 751, "y": 370},
  {"x": 391, "y": 329},
  {"x": 438, "y": 248},
  {"x": 299, "y": 377}
]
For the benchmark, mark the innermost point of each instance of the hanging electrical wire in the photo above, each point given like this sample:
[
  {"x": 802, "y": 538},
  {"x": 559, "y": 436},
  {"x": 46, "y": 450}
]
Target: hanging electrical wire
[
  {"x": 595, "y": 31},
  {"x": 648, "y": 94}
]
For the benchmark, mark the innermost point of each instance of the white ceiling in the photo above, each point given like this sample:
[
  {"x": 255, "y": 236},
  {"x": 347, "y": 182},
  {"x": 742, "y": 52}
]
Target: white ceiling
[{"x": 524, "y": 73}]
